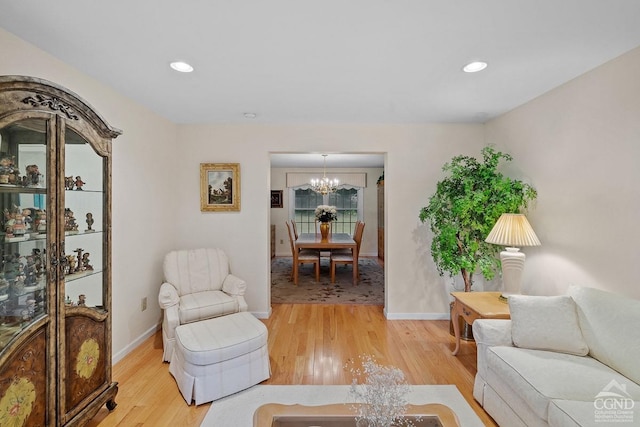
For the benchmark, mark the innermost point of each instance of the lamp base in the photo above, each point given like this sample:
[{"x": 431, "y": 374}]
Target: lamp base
[{"x": 512, "y": 265}]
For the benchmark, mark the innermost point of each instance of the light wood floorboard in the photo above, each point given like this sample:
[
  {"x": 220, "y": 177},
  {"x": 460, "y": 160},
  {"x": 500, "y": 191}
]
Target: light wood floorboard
[{"x": 308, "y": 344}]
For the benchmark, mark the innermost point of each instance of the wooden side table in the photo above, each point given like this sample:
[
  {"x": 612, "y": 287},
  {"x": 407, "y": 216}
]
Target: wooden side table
[{"x": 476, "y": 305}]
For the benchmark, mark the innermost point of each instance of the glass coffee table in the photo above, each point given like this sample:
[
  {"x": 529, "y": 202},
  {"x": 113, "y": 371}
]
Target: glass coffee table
[{"x": 343, "y": 415}]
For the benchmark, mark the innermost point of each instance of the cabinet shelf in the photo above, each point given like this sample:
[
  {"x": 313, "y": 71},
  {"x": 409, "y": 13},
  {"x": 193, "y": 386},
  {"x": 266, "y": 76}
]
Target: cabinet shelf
[
  {"x": 9, "y": 188},
  {"x": 80, "y": 275},
  {"x": 41, "y": 237},
  {"x": 83, "y": 191},
  {"x": 32, "y": 238}
]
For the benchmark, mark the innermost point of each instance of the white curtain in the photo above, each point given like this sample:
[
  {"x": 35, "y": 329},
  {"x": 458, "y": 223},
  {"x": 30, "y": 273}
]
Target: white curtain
[{"x": 292, "y": 196}]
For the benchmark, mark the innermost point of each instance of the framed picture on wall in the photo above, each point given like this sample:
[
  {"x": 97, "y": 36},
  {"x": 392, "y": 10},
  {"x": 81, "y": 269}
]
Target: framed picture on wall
[
  {"x": 219, "y": 187},
  {"x": 276, "y": 198}
]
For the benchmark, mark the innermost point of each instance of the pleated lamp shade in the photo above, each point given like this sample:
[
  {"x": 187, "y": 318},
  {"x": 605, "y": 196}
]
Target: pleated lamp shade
[{"x": 513, "y": 230}]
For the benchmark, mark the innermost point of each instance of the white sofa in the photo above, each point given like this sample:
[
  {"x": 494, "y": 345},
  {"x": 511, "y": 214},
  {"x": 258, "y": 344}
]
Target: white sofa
[{"x": 571, "y": 360}]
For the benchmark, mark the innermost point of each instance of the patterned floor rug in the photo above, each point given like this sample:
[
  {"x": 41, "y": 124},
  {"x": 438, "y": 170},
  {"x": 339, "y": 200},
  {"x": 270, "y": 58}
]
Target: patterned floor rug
[{"x": 370, "y": 289}]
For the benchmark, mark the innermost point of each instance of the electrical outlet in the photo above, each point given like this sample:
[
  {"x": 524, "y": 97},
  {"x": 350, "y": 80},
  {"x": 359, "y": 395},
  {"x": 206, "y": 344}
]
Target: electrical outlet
[{"x": 143, "y": 304}]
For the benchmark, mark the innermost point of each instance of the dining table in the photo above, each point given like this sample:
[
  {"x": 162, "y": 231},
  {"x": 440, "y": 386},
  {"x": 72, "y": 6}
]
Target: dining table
[{"x": 333, "y": 241}]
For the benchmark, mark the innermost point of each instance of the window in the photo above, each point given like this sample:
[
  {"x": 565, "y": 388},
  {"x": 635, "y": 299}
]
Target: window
[{"x": 348, "y": 202}]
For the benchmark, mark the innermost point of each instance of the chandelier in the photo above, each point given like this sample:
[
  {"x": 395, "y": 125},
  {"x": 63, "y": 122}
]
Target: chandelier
[{"x": 324, "y": 185}]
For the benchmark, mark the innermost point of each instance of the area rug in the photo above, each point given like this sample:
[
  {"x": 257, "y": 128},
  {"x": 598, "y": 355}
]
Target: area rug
[
  {"x": 370, "y": 289},
  {"x": 237, "y": 410}
]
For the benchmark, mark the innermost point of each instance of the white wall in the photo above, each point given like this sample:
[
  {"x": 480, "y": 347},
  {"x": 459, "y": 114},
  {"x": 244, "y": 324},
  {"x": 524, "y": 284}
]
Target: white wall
[
  {"x": 279, "y": 216},
  {"x": 156, "y": 193},
  {"x": 144, "y": 207},
  {"x": 415, "y": 155},
  {"x": 580, "y": 146}
]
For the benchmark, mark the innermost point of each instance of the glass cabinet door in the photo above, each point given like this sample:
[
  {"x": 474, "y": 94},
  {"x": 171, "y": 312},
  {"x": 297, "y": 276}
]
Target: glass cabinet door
[
  {"x": 23, "y": 231},
  {"x": 83, "y": 223}
]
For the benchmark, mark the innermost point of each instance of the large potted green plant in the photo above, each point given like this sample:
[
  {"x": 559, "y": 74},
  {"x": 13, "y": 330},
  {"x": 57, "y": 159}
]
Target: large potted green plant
[{"x": 466, "y": 205}]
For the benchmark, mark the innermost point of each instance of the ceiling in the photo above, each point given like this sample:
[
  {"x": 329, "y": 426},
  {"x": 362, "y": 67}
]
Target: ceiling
[{"x": 357, "y": 61}]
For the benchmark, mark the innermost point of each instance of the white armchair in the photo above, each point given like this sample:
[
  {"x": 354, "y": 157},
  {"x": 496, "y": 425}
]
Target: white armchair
[{"x": 197, "y": 286}]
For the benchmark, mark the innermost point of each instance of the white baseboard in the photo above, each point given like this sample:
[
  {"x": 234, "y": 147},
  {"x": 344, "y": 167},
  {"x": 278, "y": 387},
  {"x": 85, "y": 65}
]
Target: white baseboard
[{"x": 135, "y": 343}]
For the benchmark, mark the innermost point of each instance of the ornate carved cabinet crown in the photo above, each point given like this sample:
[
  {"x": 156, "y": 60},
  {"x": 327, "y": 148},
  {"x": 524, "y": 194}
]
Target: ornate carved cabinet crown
[{"x": 55, "y": 248}]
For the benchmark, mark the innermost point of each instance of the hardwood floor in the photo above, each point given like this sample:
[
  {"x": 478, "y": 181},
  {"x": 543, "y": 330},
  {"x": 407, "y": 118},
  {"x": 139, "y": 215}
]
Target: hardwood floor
[{"x": 308, "y": 344}]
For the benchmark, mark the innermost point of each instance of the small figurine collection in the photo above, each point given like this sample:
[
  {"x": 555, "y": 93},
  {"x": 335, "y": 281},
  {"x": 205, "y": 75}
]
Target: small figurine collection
[
  {"x": 10, "y": 174},
  {"x": 82, "y": 301},
  {"x": 77, "y": 263},
  {"x": 71, "y": 183},
  {"x": 70, "y": 225},
  {"x": 23, "y": 277},
  {"x": 20, "y": 224}
]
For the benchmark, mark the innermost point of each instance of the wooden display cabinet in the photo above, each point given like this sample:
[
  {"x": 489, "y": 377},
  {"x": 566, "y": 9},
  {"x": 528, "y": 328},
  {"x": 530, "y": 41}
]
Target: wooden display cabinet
[{"x": 55, "y": 248}]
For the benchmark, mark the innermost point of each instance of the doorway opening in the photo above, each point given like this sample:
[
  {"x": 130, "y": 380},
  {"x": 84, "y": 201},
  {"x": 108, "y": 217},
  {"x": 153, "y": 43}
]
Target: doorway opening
[{"x": 361, "y": 176}]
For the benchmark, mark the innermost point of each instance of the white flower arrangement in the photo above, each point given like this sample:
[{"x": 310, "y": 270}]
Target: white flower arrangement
[
  {"x": 380, "y": 392},
  {"x": 326, "y": 213}
]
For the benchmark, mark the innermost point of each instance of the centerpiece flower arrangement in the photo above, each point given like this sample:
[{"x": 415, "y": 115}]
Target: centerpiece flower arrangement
[
  {"x": 380, "y": 392},
  {"x": 326, "y": 213}
]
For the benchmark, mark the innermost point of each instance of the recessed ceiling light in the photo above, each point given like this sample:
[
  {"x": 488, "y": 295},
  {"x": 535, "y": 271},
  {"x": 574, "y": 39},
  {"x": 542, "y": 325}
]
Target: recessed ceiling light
[
  {"x": 250, "y": 115},
  {"x": 181, "y": 66},
  {"x": 474, "y": 67}
]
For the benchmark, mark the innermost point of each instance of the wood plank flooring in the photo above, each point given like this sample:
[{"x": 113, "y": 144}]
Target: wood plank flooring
[{"x": 308, "y": 344}]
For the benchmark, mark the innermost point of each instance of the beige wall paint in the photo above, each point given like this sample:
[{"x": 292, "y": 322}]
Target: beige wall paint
[
  {"x": 580, "y": 146},
  {"x": 414, "y": 157},
  {"x": 156, "y": 197},
  {"x": 279, "y": 216},
  {"x": 577, "y": 144},
  {"x": 143, "y": 189}
]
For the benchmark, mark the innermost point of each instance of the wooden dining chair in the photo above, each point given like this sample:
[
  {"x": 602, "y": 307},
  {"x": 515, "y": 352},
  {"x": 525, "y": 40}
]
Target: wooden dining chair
[
  {"x": 304, "y": 256},
  {"x": 353, "y": 236},
  {"x": 356, "y": 227},
  {"x": 295, "y": 228},
  {"x": 347, "y": 257}
]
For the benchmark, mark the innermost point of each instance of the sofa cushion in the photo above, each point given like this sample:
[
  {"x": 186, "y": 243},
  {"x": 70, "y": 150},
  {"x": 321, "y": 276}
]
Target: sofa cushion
[
  {"x": 546, "y": 323},
  {"x": 609, "y": 324},
  {"x": 205, "y": 305},
  {"x": 571, "y": 413},
  {"x": 539, "y": 376}
]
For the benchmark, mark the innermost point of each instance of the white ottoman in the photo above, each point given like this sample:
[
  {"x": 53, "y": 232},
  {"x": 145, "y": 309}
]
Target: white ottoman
[{"x": 217, "y": 357}]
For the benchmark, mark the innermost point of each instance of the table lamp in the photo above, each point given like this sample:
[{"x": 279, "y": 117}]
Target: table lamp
[{"x": 512, "y": 231}]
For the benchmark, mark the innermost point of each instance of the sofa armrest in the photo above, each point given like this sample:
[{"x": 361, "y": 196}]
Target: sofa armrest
[
  {"x": 490, "y": 333},
  {"x": 171, "y": 320},
  {"x": 168, "y": 296},
  {"x": 233, "y": 285}
]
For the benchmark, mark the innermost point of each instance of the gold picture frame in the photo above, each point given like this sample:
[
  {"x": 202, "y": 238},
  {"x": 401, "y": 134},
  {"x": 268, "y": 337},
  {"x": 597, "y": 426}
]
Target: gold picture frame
[{"x": 220, "y": 187}]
